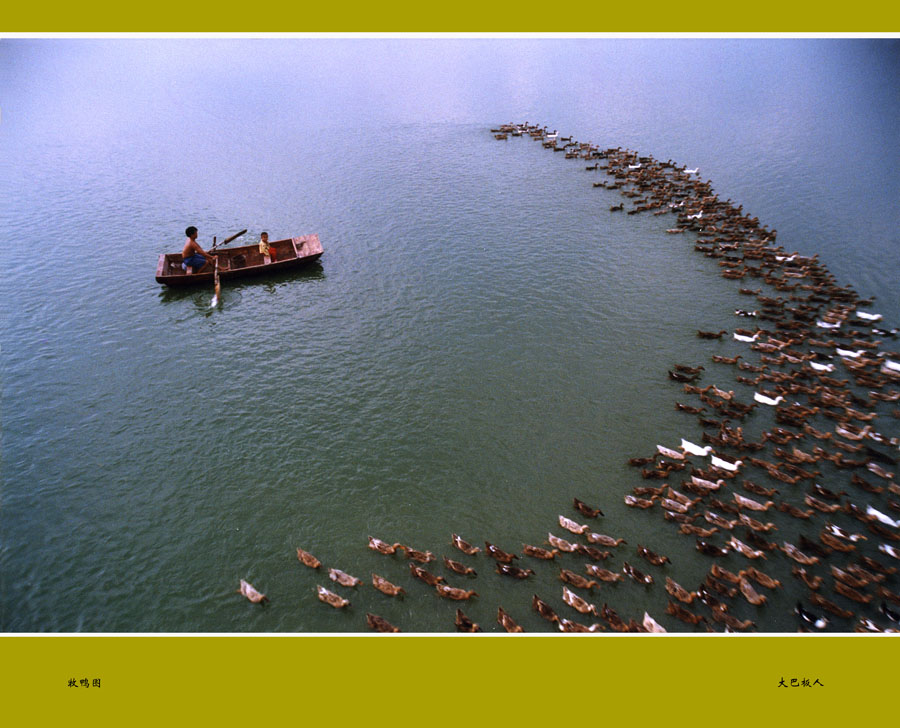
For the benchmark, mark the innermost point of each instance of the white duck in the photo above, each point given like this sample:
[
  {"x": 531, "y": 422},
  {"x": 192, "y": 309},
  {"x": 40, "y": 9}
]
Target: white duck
[
  {"x": 693, "y": 449},
  {"x": 725, "y": 465},
  {"x": 746, "y": 339},
  {"x": 762, "y": 399},
  {"x": 822, "y": 367},
  {"x": 869, "y": 316}
]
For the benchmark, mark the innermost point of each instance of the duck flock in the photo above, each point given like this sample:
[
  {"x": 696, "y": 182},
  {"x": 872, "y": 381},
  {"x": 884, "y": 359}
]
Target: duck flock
[{"x": 813, "y": 375}]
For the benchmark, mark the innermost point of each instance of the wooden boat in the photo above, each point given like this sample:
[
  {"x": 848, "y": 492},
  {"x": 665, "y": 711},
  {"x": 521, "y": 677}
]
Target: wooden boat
[{"x": 243, "y": 261}]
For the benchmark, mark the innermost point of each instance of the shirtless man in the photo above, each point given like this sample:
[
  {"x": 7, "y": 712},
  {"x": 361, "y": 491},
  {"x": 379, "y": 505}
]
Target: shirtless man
[{"x": 196, "y": 259}]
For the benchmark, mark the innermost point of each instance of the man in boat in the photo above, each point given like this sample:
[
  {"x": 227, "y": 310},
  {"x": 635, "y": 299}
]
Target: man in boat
[{"x": 196, "y": 259}]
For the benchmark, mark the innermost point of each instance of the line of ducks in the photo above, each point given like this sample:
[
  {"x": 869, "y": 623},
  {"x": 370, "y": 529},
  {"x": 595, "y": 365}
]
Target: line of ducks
[{"x": 794, "y": 360}]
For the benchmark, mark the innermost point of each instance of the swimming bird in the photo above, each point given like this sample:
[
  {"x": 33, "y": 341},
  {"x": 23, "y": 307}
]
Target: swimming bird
[
  {"x": 308, "y": 559},
  {"x": 561, "y": 544},
  {"x": 604, "y": 540},
  {"x": 463, "y": 546},
  {"x": 507, "y": 622},
  {"x": 498, "y": 553},
  {"x": 425, "y": 575},
  {"x": 679, "y": 592},
  {"x": 762, "y": 399},
  {"x": 750, "y": 594},
  {"x": 382, "y": 547},
  {"x": 651, "y": 625},
  {"x": 423, "y": 557},
  {"x": 331, "y": 598},
  {"x": 544, "y": 609},
  {"x": 653, "y": 558},
  {"x": 724, "y": 464},
  {"x": 343, "y": 578},
  {"x": 586, "y": 510},
  {"x": 449, "y": 592},
  {"x": 809, "y": 618},
  {"x": 514, "y": 571},
  {"x": 746, "y": 339},
  {"x": 692, "y": 171},
  {"x": 577, "y": 580},
  {"x": 254, "y": 596},
  {"x": 693, "y": 449},
  {"x": 572, "y": 526},
  {"x": 458, "y": 567},
  {"x": 744, "y": 549},
  {"x": 577, "y": 603},
  {"x": 379, "y": 624},
  {"x": 385, "y": 587},
  {"x": 603, "y": 574},
  {"x": 592, "y": 553},
  {"x": 464, "y": 624},
  {"x": 539, "y": 553}
]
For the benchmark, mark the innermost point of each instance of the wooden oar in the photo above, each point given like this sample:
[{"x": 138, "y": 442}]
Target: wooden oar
[
  {"x": 217, "y": 286},
  {"x": 227, "y": 240}
]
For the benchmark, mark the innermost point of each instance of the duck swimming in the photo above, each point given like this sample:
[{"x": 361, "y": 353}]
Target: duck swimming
[
  {"x": 343, "y": 578},
  {"x": 693, "y": 449},
  {"x": 538, "y": 553},
  {"x": 331, "y": 598},
  {"x": 577, "y": 603},
  {"x": 254, "y": 596},
  {"x": 382, "y": 547},
  {"x": 514, "y": 571},
  {"x": 604, "y": 540},
  {"x": 385, "y": 587},
  {"x": 652, "y": 557},
  {"x": 544, "y": 609},
  {"x": 498, "y": 553},
  {"x": 809, "y": 618},
  {"x": 425, "y": 575},
  {"x": 750, "y": 594},
  {"x": 576, "y": 580},
  {"x": 458, "y": 567},
  {"x": 586, "y": 510},
  {"x": 592, "y": 553},
  {"x": 449, "y": 592},
  {"x": 572, "y": 526},
  {"x": 464, "y": 624},
  {"x": 379, "y": 624},
  {"x": 561, "y": 544},
  {"x": 507, "y": 622},
  {"x": 463, "y": 546},
  {"x": 308, "y": 559},
  {"x": 423, "y": 557},
  {"x": 678, "y": 591}
]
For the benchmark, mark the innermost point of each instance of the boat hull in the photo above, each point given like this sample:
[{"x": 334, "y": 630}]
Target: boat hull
[{"x": 243, "y": 262}]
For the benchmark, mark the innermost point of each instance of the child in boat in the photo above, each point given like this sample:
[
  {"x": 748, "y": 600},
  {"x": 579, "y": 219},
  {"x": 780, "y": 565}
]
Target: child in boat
[
  {"x": 195, "y": 259},
  {"x": 264, "y": 248}
]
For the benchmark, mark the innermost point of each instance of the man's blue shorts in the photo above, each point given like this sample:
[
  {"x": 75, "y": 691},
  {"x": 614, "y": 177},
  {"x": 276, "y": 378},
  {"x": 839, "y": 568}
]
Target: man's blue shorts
[{"x": 196, "y": 262}]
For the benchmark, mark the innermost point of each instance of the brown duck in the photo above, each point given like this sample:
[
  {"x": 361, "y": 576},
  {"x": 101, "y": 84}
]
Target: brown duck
[
  {"x": 499, "y": 554},
  {"x": 343, "y": 578},
  {"x": 379, "y": 624},
  {"x": 385, "y": 587},
  {"x": 331, "y": 598},
  {"x": 425, "y": 575},
  {"x": 458, "y": 567},
  {"x": 449, "y": 592},
  {"x": 308, "y": 559},
  {"x": 507, "y": 622},
  {"x": 464, "y": 624},
  {"x": 538, "y": 553},
  {"x": 466, "y": 548}
]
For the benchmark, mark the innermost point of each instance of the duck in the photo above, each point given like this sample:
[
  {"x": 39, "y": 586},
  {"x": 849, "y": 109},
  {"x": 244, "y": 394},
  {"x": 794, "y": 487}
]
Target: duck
[
  {"x": 464, "y": 624},
  {"x": 425, "y": 575},
  {"x": 809, "y": 618},
  {"x": 539, "y": 553},
  {"x": 247, "y": 590},
  {"x": 576, "y": 580},
  {"x": 331, "y": 598},
  {"x": 544, "y": 609},
  {"x": 813, "y": 582},
  {"x": 308, "y": 559},
  {"x": 635, "y": 502},
  {"x": 653, "y": 558},
  {"x": 449, "y": 592},
  {"x": 744, "y": 502},
  {"x": 711, "y": 334},
  {"x": 343, "y": 578},
  {"x": 577, "y": 603},
  {"x": 717, "y": 520},
  {"x": 829, "y": 606},
  {"x": 710, "y": 549},
  {"x": 592, "y": 553},
  {"x": 507, "y": 622},
  {"x": 683, "y": 614},
  {"x": 586, "y": 510},
  {"x": 717, "y": 462},
  {"x": 385, "y": 587},
  {"x": 678, "y": 591},
  {"x": 572, "y": 526},
  {"x": 514, "y": 571},
  {"x": 889, "y": 613},
  {"x": 763, "y": 399},
  {"x": 463, "y": 546},
  {"x": 459, "y": 568},
  {"x": 382, "y": 547},
  {"x": 756, "y": 525},
  {"x": 851, "y": 593},
  {"x": 603, "y": 574},
  {"x": 689, "y": 529},
  {"x": 569, "y": 625},
  {"x": 692, "y": 171},
  {"x": 604, "y": 540},
  {"x": 379, "y": 624},
  {"x": 692, "y": 449},
  {"x": 745, "y": 550},
  {"x": 746, "y": 339},
  {"x": 423, "y": 557},
  {"x": 498, "y": 553},
  {"x": 561, "y": 544},
  {"x": 613, "y": 619},
  {"x": 750, "y": 594}
]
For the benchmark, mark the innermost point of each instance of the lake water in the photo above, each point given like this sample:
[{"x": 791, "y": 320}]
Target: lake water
[{"x": 481, "y": 341}]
